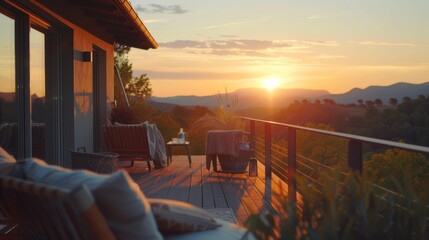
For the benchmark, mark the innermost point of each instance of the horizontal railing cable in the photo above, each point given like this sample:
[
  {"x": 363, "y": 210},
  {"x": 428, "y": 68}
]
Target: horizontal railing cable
[{"x": 287, "y": 162}]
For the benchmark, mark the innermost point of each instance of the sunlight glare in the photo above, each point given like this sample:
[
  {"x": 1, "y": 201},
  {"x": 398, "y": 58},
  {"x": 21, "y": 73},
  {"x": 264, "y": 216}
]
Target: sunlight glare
[{"x": 271, "y": 83}]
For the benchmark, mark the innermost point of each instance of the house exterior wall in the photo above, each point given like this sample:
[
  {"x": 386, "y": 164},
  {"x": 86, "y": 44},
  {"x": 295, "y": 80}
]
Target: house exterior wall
[
  {"x": 70, "y": 91},
  {"x": 83, "y": 86},
  {"x": 83, "y": 41}
]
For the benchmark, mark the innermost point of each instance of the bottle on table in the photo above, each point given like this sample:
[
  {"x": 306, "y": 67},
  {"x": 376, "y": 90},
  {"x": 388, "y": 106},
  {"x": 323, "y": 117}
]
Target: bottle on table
[{"x": 182, "y": 136}]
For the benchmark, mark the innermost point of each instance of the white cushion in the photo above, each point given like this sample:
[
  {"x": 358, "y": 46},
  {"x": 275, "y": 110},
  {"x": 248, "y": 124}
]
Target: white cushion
[
  {"x": 228, "y": 231},
  {"x": 124, "y": 206},
  {"x": 179, "y": 217}
]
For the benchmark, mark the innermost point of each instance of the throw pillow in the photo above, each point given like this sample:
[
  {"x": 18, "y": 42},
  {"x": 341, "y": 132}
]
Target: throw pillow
[
  {"x": 39, "y": 171},
  {"x": 8, "y": 165},
  {"x": 5, "y": 157},
  {"x": 121, "y": 202},
  {"x": 180, "y": 217},
  {"x": 125, "y": 208}
]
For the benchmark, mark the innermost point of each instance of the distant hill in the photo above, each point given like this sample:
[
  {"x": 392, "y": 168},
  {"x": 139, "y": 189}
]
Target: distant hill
[
  {"x": 7, "y": 96},
  {"x": 397, "y": 90},
  {"x": 165, "y": 107},
  {"x": 209, "y": 101},
  {"x": 254, "y": 98},
  {"x": 246, "y": 98}
]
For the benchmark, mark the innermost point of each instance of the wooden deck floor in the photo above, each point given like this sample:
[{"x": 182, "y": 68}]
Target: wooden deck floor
[{"x": 207, "y": 189}]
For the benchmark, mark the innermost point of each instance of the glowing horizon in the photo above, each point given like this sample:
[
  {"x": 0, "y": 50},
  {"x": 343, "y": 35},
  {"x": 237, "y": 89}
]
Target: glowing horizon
[
  {"x": 271, "y": 83},
  {"x": 332, "y": 45}
]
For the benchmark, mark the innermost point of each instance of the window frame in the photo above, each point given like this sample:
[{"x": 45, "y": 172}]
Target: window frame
[{"x": 59, "y": 71}]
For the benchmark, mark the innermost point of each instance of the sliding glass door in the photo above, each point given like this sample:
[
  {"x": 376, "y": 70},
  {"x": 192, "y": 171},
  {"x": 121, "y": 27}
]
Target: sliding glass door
[
  {"x": 8, "y": 101},
  {"x": 23, "y": 78},
  {"x": 38, "y": 92}
]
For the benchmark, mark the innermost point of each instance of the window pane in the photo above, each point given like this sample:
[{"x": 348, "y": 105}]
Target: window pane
[
  {"x": 37, "y": 92},
  {"x": 8, "y": 104}
]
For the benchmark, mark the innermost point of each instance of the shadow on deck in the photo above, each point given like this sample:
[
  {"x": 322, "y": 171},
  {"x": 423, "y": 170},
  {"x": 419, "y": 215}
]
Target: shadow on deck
[{"x": 207, "y": 189}]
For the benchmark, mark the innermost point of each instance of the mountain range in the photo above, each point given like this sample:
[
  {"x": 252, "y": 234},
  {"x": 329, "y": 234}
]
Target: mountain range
[
  {"x": 279, "y": 98},
  {"x": 397, "y": 90},
  {"x": 244, "y": 98}
]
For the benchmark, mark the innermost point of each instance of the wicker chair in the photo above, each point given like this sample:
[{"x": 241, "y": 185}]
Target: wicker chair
[
  {"x": 231, "y": 148},
  {"x": 36, "y": 211},
  {"x": 236, "y": 164},
  {"x": 105, "y": 163}
]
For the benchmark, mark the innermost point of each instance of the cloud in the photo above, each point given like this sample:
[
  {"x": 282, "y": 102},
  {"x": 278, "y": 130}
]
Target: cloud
[
  {"x": 184, "y": 44},
  {"x": 375, "y": 43},
  {"x": 326, "y": 56},
  {"x": 229, "y": 36},
  {"x": 153, "y": 20},
  {"x": 163, "y": 9},
  {"x": 242, "y": 53},
  {"x": 242, "y": 44},
  {"x": 397, "y": 68},
  {"x": 246, "y": 47},
  {"x": 192, "y": 75},
  {"x": 318, "y": 43},
  {"x": 223, "y": 25},
  {"x": 242, "y": 47}
]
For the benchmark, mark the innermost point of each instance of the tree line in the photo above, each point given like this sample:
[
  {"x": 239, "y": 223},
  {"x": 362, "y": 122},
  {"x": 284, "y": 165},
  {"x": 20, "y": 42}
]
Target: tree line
[{"x": 406, "y": 121}]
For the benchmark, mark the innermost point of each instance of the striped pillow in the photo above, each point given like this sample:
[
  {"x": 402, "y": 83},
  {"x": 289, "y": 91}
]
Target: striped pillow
[{"x": 180, "y": 217}]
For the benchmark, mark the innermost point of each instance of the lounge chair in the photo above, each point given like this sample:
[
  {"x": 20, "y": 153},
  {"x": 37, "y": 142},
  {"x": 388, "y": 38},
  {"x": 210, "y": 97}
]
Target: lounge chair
[{"x": 129, "y": 141}]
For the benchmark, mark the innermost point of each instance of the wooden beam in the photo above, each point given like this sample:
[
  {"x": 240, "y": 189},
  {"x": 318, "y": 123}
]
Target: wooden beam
[
  {"x": 120, "y": 32},
  {"x": 96, "y": 6},
  {"x": 109, "y": 17},
  {"x": 132, "y": 42},
  {"x": 114, "y": 25}
]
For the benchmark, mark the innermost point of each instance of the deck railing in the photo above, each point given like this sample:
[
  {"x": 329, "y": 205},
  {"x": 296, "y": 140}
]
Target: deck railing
[{"x": 354, "y": 148}]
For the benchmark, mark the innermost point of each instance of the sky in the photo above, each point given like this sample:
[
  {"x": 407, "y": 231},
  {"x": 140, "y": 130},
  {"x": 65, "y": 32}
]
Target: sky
[{"x": 207, "y": 47}]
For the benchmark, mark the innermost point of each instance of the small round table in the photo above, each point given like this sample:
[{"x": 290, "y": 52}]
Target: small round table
[{"x": 172, "y": 144}]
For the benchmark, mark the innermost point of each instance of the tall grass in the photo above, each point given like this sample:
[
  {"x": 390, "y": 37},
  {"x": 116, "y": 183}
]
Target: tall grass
[{"x": 348, "y": 207}]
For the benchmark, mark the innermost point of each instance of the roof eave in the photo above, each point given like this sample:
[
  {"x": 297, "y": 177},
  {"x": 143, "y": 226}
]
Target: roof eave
[{"x": 132, "y": 16}]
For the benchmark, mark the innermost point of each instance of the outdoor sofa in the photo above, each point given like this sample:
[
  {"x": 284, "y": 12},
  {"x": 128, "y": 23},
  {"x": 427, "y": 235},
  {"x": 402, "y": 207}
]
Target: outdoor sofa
[{"x": 40, "y": 201}]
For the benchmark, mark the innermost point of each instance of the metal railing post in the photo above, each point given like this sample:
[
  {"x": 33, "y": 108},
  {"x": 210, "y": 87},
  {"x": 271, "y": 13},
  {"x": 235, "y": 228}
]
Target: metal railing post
[
  {"x": 252, "y": 127},
  {"x": 355, "y": 155},
  {"x": 268, "y": 150},
  {"x": 291, "y": 170}
]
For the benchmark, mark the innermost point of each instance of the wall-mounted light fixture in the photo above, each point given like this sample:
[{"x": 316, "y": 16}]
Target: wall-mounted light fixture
[{"x": 83, "y": 56}]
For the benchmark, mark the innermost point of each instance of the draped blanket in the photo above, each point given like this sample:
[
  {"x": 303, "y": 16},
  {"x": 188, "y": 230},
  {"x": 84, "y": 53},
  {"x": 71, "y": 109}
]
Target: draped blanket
[
  {"x": 221, "y": 142},
  {"x": 156, "y": 145}
]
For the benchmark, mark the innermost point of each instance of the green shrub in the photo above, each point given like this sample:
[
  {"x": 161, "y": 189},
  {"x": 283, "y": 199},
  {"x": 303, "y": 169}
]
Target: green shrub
[{"x": 348, "y": 207}]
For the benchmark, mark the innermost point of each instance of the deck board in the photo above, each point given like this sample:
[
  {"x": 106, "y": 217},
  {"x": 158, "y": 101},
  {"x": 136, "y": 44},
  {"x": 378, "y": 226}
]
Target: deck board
[
  {"x": 218, "y": 192},
  {"x": 207, "y": 189}
]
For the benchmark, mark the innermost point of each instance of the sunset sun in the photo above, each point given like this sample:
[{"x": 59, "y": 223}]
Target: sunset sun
[{"x": 271, "y": 83}]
